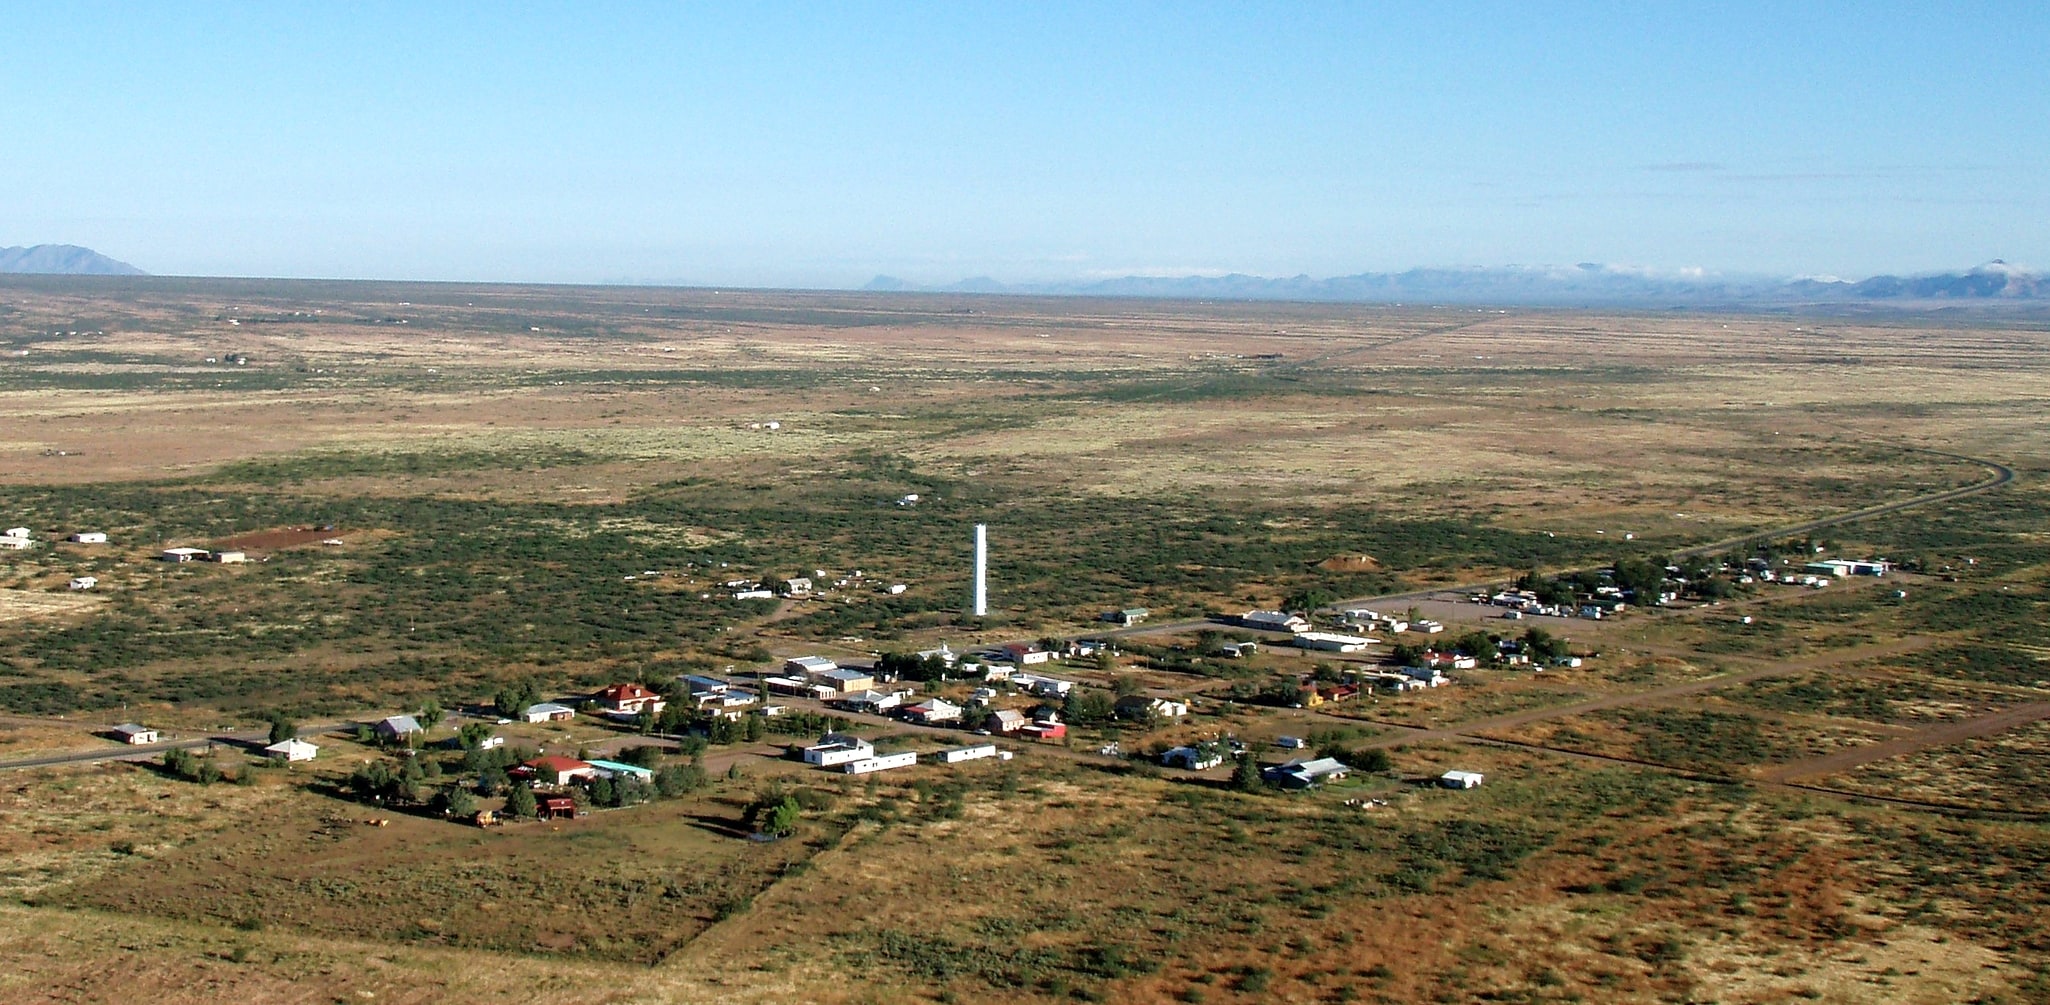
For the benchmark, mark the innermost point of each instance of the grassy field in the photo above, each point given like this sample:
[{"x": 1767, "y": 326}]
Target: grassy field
[{"x": 552, "y": 485}]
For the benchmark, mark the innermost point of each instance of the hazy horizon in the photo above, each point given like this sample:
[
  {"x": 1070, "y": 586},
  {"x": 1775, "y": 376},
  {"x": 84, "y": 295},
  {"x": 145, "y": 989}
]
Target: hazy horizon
[{"x": 795, "y": 147}]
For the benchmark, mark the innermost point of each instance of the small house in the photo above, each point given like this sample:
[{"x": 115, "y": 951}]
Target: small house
[
  {"x": 867, "y": 700},
  {"x": 797, "y": 587},
  {"x": 1460, "y": 779},
  {"x": 629, "y": 699},
  {"x": 1005, "y": 720},
  {"x": 1303, "y": 774},
  {"x": 293, "y": 749},
  {"x": 548, "y": 711},
  {"x": 229, "y": 557},
  {"x": 1192, "y": 758},
  {"x": 183, "y": 554},
  {"x": 89, "y": 537},
  {"x": 1275, "y": 621},
  {"x": 808, "y": 666},
  {"x": 1291, "y": 742},
  {"x": 85, "y": 582},
  {"x": 18, "y": 533},
  {"x": 1139, "y": 706},
  {"x": 1025, "y": 654},
  {"x": 556, "y": 770},
  {"x": 555, "y": 808},
  {"x": 1127, "y": 616},
  {"x": 129, "y": 732},
  {"x": 396, "y": 727},
  {"x": 933, "y": 711}
]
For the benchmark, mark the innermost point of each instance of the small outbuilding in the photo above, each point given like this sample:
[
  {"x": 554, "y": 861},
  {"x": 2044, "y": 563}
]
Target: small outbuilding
[
  {"x": 129, "y": 732},
  {"x": 396, "y": 727},
  {"x": 548, "y": 711},
  {"x": 1461, "y": 779}
]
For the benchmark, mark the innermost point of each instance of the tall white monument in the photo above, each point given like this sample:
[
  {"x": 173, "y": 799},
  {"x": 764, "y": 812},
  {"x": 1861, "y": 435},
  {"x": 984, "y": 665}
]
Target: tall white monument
[{"x": 981, "y": 570}]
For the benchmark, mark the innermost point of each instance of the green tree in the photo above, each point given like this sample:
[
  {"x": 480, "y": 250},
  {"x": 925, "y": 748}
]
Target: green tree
[
  {"x": 1308, "y": 599},
  {"x": 782, "y": 818},
  {"x": 281, "y": 728},
  {"x": 457, "y": 803},
  {"x": 520, "y": 802},
  {"x": 1245, "y": 775},
  {"x": 1126, "y": 685},
  {"x": 679, "y": 779},
  {"x": 430, "y": 714},
  {"x": 473, "y": 734},
  {"x": 1088, "y": 705}
]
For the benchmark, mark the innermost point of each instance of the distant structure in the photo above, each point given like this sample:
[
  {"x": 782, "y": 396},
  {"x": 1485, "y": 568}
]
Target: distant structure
[{"x": 981, "y": 570}]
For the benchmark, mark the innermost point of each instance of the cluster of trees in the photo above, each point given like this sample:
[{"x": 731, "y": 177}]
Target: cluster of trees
[
  {"x": 192, "y": 768},
  {"x": 911, "y": 666}
]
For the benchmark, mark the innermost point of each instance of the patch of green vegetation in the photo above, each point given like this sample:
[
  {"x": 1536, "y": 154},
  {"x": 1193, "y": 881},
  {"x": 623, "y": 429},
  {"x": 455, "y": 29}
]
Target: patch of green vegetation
[{"x": 357, "y": 463}]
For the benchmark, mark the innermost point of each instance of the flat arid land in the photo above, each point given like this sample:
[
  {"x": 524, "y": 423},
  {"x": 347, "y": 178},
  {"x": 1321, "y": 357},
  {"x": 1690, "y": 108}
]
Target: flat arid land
[{"x": 1749, "y": 779}]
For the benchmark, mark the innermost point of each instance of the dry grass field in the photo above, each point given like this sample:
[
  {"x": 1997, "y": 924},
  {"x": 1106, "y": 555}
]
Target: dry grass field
[{"x": 1832, "y": 801}]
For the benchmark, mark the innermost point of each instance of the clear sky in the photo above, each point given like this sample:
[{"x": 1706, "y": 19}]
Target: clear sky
[{"x": 822, "y": 144}]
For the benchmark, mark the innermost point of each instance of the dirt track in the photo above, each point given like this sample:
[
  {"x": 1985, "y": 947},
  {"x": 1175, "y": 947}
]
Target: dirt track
[
  {"x": 1473, "y": 730},
  {"x": 1938, "y": 735}
]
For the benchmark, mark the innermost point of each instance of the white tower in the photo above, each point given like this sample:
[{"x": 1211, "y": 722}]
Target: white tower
[{"x": 981, "y": 570}]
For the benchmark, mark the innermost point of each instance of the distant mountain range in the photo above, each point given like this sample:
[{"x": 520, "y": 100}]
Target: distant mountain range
[
  {"x": 1584, "y": 284},
  {"x": 63, "y": 260}
]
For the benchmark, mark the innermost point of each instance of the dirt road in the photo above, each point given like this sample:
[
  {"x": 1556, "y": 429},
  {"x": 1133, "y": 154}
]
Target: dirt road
[{"x": 1941, "y": 734}]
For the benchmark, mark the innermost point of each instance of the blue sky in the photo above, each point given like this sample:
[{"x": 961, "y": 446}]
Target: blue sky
[{"x": 820, "y": 145}]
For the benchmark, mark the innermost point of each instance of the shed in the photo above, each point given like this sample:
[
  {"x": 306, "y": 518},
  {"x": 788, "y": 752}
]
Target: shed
[
  {"x": 89, "y": 537},
  {"x": 1461, "y": 779},
  {"x": 183, "y": 554},
  {"x": 129, "y": 732},
  {"x": 555, "y": 808},
  {"x": 394, "y": 727},
  {"x": 548, "y": 711}
]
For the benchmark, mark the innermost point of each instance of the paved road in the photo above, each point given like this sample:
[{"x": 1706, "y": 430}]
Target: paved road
[{"x": 148, "y": 751}]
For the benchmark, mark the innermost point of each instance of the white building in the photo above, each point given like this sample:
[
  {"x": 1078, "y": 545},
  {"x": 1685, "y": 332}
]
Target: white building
[
  {"x": 129, "y": 732},
  {"x": 1192, "y": 758},
  {"x": 85, "y": 582},
  {"x": 89, "y": 537},
  {"x": 808, "y": 666},
  {"x": 838, "y": 748},
  {"x": 1275, "y": 621},
  {"x": 959, "y": 754},
  {"x": 883, "y": 762},
  {"x": 183, "y": 554},
  {"x": 293, "y": 749},
  {"x": 1461, "y": 779},
  {"x": 1331, "y": 642}
]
